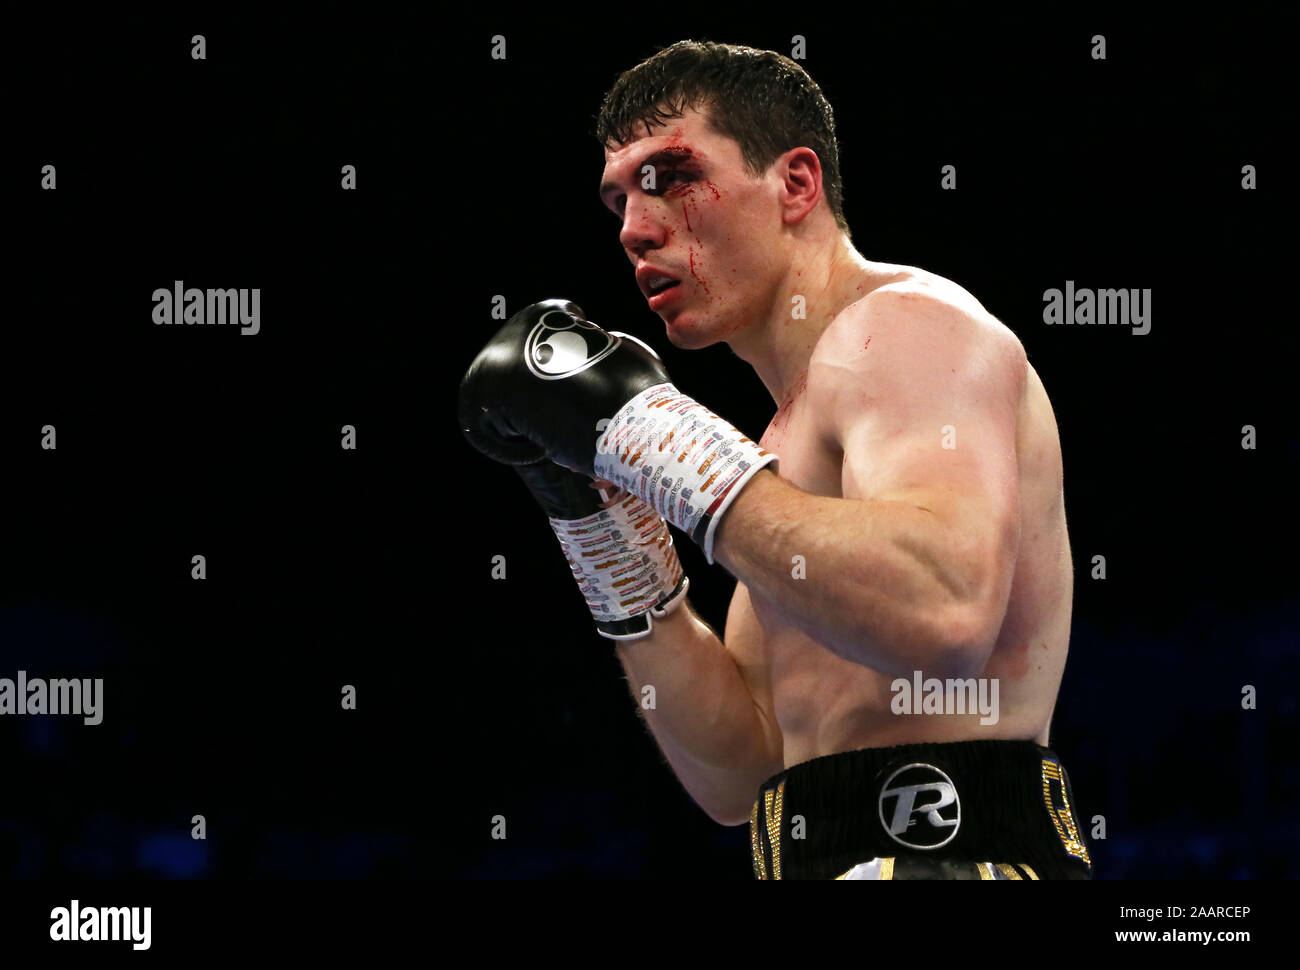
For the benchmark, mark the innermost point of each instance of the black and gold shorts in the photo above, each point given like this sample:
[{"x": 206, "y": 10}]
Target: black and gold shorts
[{"x": 963, "y": 810}]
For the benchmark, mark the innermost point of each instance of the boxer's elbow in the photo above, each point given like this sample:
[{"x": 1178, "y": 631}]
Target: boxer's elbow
[
  {"x": 972, "y": 604},
  {"x": 948, "y": 637},
  {"x": 725, "y": 789},
  {"x": 732, "y": 817},
  {"x": 943, "y": 618},
  {"x": 726, "y": 808},
  {"x": 960, "y": 650},
  {"x": 963, "y": 633}
]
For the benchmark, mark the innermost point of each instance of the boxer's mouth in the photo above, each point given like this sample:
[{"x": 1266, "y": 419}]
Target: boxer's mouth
[{"x": 654, "y": 281}]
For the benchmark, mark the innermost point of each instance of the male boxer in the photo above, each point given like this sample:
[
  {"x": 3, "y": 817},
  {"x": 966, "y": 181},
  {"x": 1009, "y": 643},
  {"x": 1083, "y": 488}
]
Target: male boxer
[{"x": 911, "y": 533}]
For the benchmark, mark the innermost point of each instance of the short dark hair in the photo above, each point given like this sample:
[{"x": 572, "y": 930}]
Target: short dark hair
[{"x": 763, "y": 100}]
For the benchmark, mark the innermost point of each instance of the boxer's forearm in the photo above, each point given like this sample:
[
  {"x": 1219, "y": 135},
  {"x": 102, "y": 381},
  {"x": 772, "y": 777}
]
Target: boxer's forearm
[
  {"x": 877, "y": 582},
  {"x": 703, "y": 716}
]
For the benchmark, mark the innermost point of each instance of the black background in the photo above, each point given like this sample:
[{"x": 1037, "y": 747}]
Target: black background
[{"x": 477, "y": 178}]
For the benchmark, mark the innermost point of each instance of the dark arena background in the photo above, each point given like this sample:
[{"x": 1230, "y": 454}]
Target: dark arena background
[{"x": 348, "y": 692}]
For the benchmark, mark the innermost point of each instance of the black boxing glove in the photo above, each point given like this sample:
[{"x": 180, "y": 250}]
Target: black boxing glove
[
  {"x": 553, "y": 384},
  {"x": 542, "y": 385},
  {"x": 621, "y": 557}
]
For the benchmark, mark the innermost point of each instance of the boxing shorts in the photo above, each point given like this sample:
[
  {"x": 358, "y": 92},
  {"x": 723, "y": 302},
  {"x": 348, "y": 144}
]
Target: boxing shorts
[{"x": 961, "y": 810}]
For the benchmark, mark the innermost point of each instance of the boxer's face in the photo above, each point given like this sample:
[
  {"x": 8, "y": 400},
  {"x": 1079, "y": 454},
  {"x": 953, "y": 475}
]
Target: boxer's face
[{"x": 706, "y": 222}]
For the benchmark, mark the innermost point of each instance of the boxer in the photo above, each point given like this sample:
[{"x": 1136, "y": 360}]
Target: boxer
[{"x": 900, "y": 523}]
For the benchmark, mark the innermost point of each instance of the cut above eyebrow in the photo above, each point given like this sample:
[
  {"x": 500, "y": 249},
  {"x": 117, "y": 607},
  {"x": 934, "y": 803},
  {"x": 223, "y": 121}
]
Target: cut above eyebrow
[{"x": 669, "y": 157}]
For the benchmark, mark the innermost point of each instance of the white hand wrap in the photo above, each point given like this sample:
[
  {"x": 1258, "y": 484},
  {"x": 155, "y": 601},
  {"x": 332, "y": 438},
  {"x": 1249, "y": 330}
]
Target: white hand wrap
[
  {"x": 624, "y": 563},
  {"x": 687, "y": 463}
]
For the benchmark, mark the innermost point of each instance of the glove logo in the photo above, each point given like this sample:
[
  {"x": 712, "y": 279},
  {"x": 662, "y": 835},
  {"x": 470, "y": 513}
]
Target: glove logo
[
  {"x": 561, "y": 345},
  {"x": 926, "y": 825}
]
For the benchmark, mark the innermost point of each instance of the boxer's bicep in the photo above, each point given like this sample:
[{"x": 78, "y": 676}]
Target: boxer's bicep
[
  {"x": 956, "y": 458},
  {"x": 962, "y": 474},
  {"x": 929, "y": 421}
]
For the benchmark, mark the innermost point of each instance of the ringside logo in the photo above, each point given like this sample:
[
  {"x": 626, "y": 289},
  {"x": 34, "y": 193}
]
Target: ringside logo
[
  {"x": 925, "y": 824},
  {"x": 565, "y": 346}
]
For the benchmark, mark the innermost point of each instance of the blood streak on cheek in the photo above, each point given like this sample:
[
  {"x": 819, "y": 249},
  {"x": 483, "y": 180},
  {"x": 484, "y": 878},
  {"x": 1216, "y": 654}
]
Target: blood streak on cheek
[
  {"x": 699, "y": 279},
  {"x": 687, "y": 193}
]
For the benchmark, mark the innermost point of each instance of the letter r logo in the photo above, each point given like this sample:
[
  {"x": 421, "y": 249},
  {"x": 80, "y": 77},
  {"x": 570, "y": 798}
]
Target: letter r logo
[{"x": 912, "y": 804}]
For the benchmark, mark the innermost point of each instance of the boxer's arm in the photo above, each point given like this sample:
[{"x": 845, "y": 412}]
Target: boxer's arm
[
  {"x": 911, "y": 569},
  {"x": 712, "y": 716}
]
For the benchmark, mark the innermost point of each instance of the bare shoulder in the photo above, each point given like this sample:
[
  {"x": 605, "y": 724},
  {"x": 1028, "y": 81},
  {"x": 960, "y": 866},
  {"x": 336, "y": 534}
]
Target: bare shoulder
[{"x": 920, "y": 327}]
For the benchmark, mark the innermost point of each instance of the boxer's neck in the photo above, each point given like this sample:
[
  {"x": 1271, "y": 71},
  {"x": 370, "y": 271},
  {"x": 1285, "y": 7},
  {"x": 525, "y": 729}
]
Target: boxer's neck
[{"x": 828, "y": 275}]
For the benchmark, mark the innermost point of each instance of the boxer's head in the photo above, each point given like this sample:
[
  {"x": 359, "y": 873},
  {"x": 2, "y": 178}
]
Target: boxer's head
[{"x": 717, "y": 158}]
